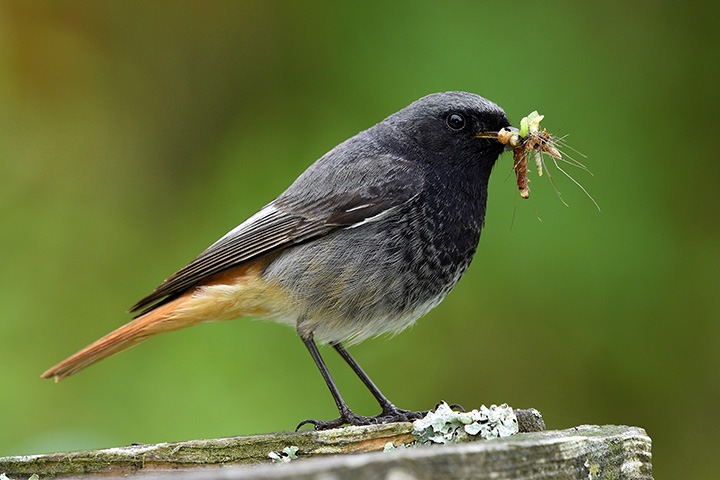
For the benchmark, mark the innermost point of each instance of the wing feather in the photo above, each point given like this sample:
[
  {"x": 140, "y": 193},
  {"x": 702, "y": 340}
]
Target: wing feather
[
  {"x": 268, "y": 230},
  {"x": 310, "y": 208}
]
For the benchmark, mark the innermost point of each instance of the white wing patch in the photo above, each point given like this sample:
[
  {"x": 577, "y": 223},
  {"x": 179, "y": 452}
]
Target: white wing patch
[{"x": 264, "y": 212}]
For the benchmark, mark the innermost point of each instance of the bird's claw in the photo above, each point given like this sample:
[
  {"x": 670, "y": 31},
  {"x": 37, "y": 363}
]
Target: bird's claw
[
  {"x": 348, "y": 418},
  {"x": 388, "y": 415}
]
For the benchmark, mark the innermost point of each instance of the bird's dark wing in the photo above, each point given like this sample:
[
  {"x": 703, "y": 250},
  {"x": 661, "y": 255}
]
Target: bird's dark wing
[{"x": 320, "y": 201}]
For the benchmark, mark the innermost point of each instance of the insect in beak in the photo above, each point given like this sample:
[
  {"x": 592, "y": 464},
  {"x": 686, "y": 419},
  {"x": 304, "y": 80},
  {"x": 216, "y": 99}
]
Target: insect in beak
[{"x": 528, "y": 140}]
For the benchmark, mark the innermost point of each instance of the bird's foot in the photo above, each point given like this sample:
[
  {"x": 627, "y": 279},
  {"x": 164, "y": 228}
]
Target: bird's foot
[
  {"x": 390, "y": 414},
  {"x": 347, "y": 418}
]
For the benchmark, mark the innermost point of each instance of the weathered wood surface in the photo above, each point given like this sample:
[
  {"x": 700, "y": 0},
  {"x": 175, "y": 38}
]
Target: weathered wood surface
[
  {"x": 592, "y": 450},
  {"x": 586, "y": 452},
  {"x": 245, "y": 450}
]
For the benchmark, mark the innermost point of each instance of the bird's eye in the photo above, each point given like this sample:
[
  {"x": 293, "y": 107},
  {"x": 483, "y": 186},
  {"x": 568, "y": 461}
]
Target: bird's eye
[{"x": 455, "y": 121}]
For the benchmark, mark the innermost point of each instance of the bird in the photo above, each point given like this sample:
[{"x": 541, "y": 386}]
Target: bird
[{"x": 369, "y": 238}]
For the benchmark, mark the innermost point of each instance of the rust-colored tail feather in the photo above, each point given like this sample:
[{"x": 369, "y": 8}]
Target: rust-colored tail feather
[
  {"x": 160, "y": 320},
  {"x": 231, "y": 294}
]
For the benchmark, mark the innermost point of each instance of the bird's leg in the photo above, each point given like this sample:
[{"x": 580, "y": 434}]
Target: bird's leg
[
  {"x": 390, "y": 413},
  {"x": 346, "y": 415}
]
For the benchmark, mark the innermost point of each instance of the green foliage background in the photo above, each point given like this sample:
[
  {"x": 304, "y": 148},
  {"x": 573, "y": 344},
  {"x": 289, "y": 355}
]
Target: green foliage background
[{"x": 133, "y": 134}]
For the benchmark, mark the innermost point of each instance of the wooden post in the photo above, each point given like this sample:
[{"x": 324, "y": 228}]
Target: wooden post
[{"x": 587, "y": 452}]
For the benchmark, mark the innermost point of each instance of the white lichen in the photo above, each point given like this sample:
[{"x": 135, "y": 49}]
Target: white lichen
[
  {"x": 288, "y": 454},
  {"x": 390, "y": 446},
  {"x": 444, "y": 425}
]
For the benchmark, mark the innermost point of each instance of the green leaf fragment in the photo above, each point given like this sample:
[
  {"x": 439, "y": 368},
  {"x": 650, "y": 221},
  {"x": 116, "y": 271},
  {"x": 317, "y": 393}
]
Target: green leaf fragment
[
  {"x": 530, "y": 124},
  {"x": 534, "y": 120},
  {"x": 523, "y": 127}
]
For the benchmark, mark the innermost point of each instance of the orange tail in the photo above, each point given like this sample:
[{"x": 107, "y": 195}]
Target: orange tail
[
  {"x": 163, "y": 319},
  {"x": 231, "y": 294}
]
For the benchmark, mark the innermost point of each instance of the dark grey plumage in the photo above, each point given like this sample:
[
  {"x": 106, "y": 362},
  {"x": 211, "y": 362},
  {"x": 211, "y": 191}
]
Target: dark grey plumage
[{"x": 377, "y": 231}]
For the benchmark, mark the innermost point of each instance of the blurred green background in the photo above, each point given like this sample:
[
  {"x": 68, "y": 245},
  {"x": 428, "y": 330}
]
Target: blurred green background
[{"x": 134, "y": 134}]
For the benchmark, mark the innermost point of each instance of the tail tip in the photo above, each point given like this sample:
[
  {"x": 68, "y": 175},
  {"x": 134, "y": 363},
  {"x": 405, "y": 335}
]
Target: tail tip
[{"x": 52, "y": 374}]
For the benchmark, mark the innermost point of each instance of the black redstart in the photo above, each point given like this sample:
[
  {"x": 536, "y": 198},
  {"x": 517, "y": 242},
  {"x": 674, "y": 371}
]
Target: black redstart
[{"x": 368, "y": 239}]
